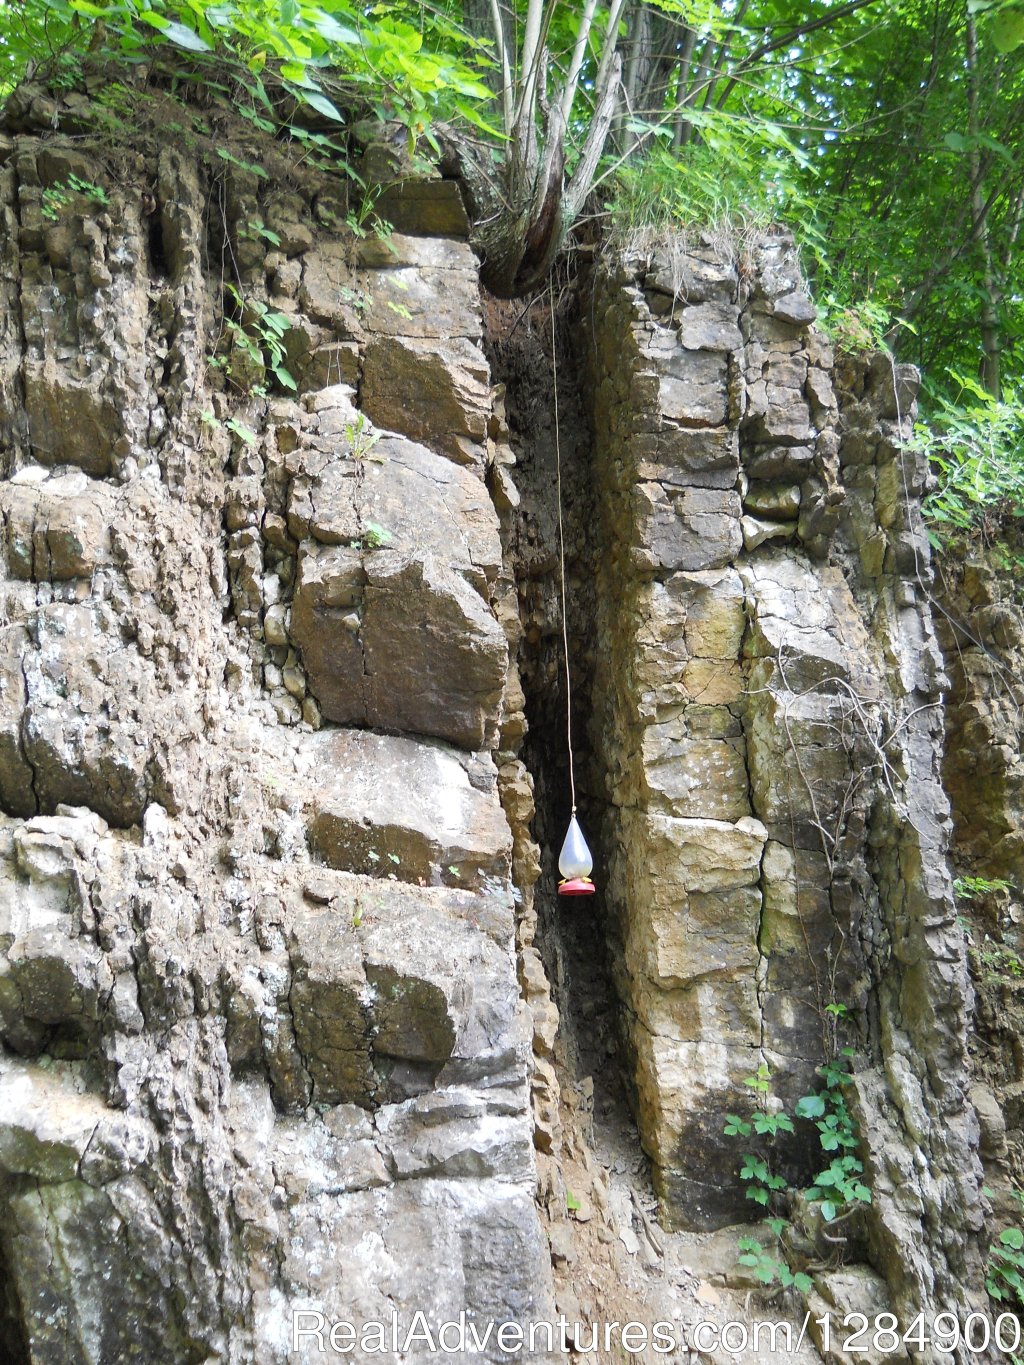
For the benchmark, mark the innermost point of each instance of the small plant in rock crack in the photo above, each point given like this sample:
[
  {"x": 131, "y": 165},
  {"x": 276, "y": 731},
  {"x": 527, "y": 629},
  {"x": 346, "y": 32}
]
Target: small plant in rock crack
[
  {"x": 240, "y": 430},
  {"x": 764, "y": 1187},
  {"x": 358, "y": 299},
  {"x": 256, "y": 230},
  {"x": 1004, "y": 1270},
  {"x": 837, "y": 1189},
  {"x": 252, "y": 167},
  {"x": 380, "y": 869},
  {"x": 362, "y": 439},
  {"x": 767, "y": 1268},
  {"x": 258, "y": 333},
  {"x": 999, "y": 963},
  {"x": 977, "y": 888},
  {"x": 375, "y": 536},
  {"x": 57, "y": 197},
  {"x": 760, "y": 1184}
]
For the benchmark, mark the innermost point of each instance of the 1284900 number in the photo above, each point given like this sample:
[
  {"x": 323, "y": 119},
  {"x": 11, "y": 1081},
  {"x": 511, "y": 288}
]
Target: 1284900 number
[{"x": 857, "y": 1334}]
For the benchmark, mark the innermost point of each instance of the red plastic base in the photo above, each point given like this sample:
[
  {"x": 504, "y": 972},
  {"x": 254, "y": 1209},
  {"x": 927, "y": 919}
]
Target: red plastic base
[{"x": 577, "y": 886}]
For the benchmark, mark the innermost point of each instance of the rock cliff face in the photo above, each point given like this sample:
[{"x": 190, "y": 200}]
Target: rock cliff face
[
  {"x": 274, "y": 991},
  {"x": 264, "y": 1041},
  {"x": 982, "y": 632},
  {"x": 766, "y": 731}
]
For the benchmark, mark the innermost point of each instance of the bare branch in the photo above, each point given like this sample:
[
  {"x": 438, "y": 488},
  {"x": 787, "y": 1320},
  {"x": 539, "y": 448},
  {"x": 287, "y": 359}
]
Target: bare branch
[
  {"x": 506, "y": 67},
  {"x": 576, "y": 65},
  {"x": 581, "y": 182}
]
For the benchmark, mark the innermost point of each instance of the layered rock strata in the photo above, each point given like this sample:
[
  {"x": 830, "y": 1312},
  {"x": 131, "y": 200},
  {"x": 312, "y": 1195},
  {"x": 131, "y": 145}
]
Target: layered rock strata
[
  {"x": 766, "y": 733},
  {"x": 264, "y": 1041},
  {"x": 268, "y": 989}
]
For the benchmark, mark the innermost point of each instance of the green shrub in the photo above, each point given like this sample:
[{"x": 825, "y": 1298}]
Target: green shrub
[{"x": 975, "y": 444}]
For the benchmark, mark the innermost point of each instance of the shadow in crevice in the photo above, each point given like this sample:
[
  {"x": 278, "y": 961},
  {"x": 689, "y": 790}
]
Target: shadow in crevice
[
  {"x": 13, "y": 1344},
  {"x": 571, "y": 931}
]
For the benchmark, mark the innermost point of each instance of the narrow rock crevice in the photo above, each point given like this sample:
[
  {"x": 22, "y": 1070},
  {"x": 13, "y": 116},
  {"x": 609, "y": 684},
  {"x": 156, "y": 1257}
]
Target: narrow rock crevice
[
  {"x": 570, "y": 930},
  {"x": 13, "y": 1345}
]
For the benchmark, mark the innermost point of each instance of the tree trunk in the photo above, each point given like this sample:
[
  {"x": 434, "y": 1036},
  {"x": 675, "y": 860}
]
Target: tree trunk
[{"x": 991, "y": 293}]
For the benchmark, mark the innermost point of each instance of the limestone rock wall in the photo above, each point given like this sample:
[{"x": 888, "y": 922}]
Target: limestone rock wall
[
  {"x": 277, "y": 1029},
  {"x": 982, "y": 632},
  {"x": 264, "y": 1045},
  {"x": 766, "y": 741}
]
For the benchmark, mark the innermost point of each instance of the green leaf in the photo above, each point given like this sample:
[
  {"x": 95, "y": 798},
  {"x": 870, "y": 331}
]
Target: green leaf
[
  {"x": 241, "y": 430},
  {"x": 1012, "y": 1237},
  {"x": 333, "y": 32},
  {"x": 802, "y": 1282},
  {"x": 828, "y": 1210},
  {"x": 1008, "y": 29},
  {"x": 295, "y": 72},
  {"x": 182, "y": 36},
  {"x": 810, "y": 1107},
  {"x": 322, "y": 105}
]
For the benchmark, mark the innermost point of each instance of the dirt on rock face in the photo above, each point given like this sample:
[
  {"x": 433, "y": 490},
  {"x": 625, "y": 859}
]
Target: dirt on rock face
[{"x": 291, "y": 1014}]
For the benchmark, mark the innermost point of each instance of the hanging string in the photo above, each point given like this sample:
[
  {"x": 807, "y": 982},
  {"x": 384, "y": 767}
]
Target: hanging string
[{"x": 561, "y": 553}]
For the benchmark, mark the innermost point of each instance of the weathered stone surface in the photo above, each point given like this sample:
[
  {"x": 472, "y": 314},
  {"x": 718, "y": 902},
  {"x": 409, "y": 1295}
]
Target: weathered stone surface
[
  {"x": 779, "y": 462},
  {"x": 841, "y": 1294},
  {"x": 426, "y": 388},
  {"x": 703, "y": 459},
  {"x": 765, "y": 751},
  {"x": 71, "y": 423},
  {"x": 693, "y": 389},
  {"x": 696, "y": 276},
  {"x": 431, "y": 207},
  {"x": 437, "y": 297},
  {"x": 389, "y": 804},
  {"x": 776, "y": 502},
  {"x": 693, "y": 776},
  {"x": 396, "y": 547},
  {"x": 710, "y": 327},
  {"x": 690, "y": 528},
  {"x": 794, "y": 307},
  {"x": 756, "y": 531},
  {"x": 301, "y": 1083},
  {"x": 53, "y": 1130},
  {"x": 56, "y": 528},
  {"x": 710, "y": 858},
  {"x": 77, "y": 752}
]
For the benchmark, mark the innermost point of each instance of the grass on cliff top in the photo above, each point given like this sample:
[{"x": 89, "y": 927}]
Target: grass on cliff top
[{"x": 743, "y": 178}]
